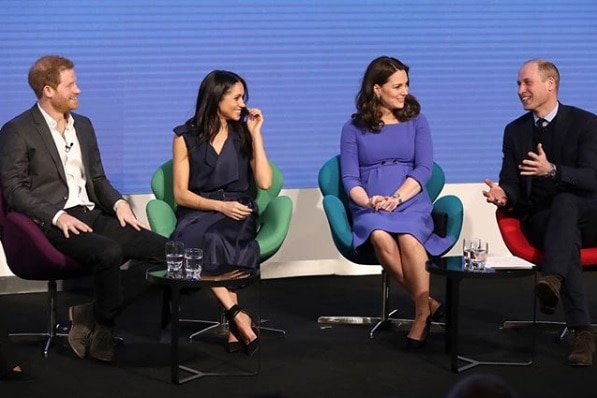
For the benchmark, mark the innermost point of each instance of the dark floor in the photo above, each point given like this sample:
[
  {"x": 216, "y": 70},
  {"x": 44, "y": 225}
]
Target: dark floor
[{"x": 310, "y": 361}]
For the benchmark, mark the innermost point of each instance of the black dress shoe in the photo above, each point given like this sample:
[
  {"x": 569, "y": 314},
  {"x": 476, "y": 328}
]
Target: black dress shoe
[
  {"x": 416, "y": 344},
  {"x": 250, "y": 347},
  {"x": 234, "y": 346}
]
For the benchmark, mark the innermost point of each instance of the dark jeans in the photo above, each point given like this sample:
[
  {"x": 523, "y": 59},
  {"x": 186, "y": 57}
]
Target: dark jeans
[
  {"x": 560, "y": 229},
  {"x": 103, "y": 251}
]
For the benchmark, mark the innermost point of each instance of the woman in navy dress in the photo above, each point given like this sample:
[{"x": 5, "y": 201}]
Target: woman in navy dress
[
  {"x": 215, "y": 156},
  {"x": 386, "y": 160}
]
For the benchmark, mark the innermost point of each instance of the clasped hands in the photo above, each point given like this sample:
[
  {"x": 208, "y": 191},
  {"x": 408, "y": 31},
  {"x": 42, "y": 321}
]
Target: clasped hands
[
  {"x": 380, "y": 202},
  {"x": 536, "y": 164}
]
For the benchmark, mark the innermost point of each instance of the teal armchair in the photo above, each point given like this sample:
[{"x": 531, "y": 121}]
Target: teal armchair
[
  {"x": 335, "y": 205},
  {"x": 272, "y": 226}
]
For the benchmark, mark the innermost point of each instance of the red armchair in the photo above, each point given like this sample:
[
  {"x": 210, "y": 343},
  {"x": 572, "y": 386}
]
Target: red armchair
[{"x": 518, "y": 245}]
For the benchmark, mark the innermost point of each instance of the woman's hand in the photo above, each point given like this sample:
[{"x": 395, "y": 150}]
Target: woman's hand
[
  {"x": 254, "y": 121},
  {"x": 235, "y": 210},
  {"x": 386, "y": 203}
]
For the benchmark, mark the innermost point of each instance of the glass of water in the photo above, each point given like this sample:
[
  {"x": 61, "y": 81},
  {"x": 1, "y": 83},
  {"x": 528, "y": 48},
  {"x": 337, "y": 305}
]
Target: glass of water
[
  {"x": 468, "y": 246},
  {"x": 174, "y": 257},
  {"x": 479, "y": 251},
  {"x": 193, "y": 261}
]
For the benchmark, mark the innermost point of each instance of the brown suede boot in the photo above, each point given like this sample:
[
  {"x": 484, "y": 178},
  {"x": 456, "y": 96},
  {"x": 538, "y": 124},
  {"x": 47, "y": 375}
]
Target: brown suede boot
[
  {"x": 583, "y": 353},
  {"x": 103, "y": 345},
  {"x": 548, "y": 293},
  {"x": 82, "y": 325}
]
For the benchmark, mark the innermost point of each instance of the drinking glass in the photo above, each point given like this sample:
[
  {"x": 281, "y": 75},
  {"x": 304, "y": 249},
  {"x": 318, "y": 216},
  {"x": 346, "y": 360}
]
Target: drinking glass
[
  {"x": 174, "y": 256},
  {"x": 193, "y": 262},
  {"x": 479, "y": 255},
  {"x": 468, "y": 245}
]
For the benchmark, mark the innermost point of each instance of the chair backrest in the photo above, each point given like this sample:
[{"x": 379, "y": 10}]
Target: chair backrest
[
  {"x": 517, "y": 243},
  {"x": 335, "y": 204},
  {"x": 330, "y": 181},
  {"x": 163, "y": 188}
]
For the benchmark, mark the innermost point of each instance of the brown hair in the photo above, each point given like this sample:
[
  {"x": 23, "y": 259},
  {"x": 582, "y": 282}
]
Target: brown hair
[
  {"x": 46, "y": 72},
  {"x": 367, "y": 103}
]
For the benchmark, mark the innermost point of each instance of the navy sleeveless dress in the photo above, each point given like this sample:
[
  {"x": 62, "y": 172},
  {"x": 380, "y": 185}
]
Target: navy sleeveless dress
[{"x": 226, "y": 243}]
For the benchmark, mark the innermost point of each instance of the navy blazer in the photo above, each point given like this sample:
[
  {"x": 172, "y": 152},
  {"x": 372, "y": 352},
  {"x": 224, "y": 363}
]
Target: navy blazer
[
  {"x": 575, "y": 155},
  {"x": 32, "y": 174}
]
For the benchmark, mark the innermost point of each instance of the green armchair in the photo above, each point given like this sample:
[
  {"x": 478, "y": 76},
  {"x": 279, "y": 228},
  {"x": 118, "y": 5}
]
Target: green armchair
[{"x": 273, "y": 224}]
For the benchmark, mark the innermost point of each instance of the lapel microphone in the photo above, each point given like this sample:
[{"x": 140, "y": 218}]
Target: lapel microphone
[{"x": 67, "y": 147}]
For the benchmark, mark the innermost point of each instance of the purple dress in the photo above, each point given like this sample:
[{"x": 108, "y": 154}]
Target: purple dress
[{"x": 380, "y": 163}]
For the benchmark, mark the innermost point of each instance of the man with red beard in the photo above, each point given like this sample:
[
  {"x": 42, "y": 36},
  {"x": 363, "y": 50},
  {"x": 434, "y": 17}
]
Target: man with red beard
[
  {"x": 51, "y": 170},
  {"x": 549, "y": 177}
]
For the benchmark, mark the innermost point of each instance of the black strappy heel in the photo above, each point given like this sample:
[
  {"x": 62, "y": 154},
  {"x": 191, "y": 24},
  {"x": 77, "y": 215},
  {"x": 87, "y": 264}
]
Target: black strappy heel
[{"x": 231, "y": 313}]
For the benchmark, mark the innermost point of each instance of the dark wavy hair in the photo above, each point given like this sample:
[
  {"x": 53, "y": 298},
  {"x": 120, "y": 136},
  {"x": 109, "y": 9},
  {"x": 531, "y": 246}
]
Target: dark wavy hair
[
  {"x": 367, "y": 103},
  {"x": 206, "y": 121}
]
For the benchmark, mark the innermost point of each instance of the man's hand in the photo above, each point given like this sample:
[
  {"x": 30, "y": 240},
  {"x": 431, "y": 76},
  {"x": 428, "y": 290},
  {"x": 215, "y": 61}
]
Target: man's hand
[
  {"x": 495, "y": 195},
  {"x": 126, "y": 216},
  {"x": 68, "y": 223},
  {"x": 536, "y": 164}
]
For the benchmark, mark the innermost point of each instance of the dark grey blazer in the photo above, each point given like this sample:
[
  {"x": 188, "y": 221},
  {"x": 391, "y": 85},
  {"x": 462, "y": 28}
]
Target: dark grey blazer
[
  {"x": 575, "y": 155},
  {"x": 31, "y": 172}
]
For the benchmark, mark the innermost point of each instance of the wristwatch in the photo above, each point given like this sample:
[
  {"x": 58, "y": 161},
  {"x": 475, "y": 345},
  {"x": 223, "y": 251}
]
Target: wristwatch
[
  {"x": 552, "y": 171},
  {"x": 397, "y": 196}
]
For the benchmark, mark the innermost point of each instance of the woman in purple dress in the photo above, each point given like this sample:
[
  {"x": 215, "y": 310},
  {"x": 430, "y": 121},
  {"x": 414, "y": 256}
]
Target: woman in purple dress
[
  {"x": 215, "y": 155},
  {"x": 386, "y": 160}
]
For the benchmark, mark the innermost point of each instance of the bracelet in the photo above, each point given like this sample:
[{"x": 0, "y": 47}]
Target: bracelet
[{"x": 397, "y": 196}]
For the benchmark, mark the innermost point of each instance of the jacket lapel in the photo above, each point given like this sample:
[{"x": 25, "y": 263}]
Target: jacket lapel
[{"x": 46, "y": 136}]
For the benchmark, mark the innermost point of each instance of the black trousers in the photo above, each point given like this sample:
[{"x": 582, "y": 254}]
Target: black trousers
[
  {"x": 103, "y": 251},
  {"x": 560, "y": 229}
]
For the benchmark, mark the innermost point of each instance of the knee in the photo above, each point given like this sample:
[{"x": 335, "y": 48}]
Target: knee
[
  {"x": 408, "y": 243},
  {"x": 382, "y": 241},
  {"x": 564, "y": 203},
  {"x": 111, "y": 255}
]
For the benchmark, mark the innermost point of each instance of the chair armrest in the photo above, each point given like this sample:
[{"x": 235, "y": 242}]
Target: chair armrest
[
  {"x": 452, "y": 206},
  {"x": 514, "y": 239},
  {"x": 161, "y": 217},
  {"x": 339, "y": 224},
  {"x": 275, "y": 222}
]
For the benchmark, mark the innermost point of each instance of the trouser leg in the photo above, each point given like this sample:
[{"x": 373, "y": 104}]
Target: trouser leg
[
  {"x": 103, "y": 257},
  {"x": 144, "y": 247},
  {"x": 559, "y": 230}
]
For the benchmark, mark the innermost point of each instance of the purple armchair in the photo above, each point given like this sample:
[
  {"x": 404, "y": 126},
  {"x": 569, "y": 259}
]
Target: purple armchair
[{"x": 31, "y": 256}]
